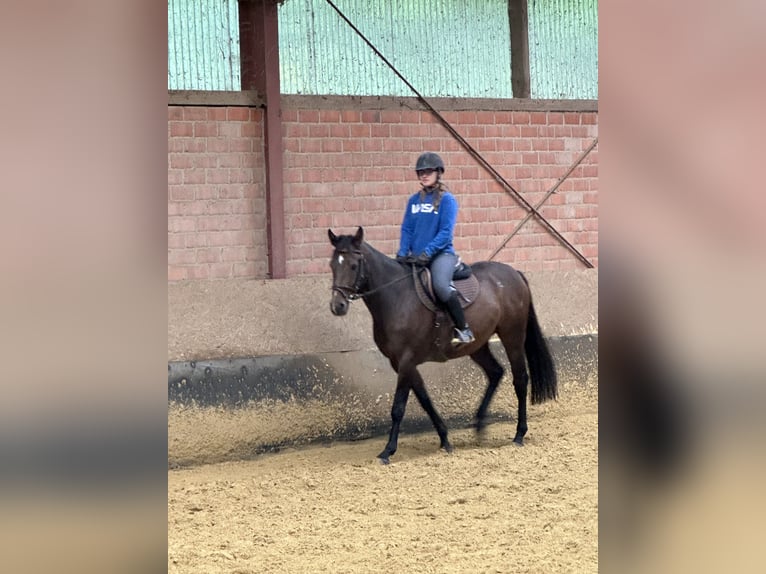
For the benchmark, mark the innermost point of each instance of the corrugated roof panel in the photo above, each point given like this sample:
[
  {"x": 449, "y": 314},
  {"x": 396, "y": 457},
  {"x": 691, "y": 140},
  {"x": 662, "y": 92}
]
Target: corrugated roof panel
[
  {"x": 445, "y": 48},
  {"x": 203, "y": 45},
  {"x": 563, "y": 49}
]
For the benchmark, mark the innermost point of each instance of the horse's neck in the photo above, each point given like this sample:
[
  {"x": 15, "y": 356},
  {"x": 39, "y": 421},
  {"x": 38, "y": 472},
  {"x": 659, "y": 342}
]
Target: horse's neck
[{"x": 382, "y": 270}]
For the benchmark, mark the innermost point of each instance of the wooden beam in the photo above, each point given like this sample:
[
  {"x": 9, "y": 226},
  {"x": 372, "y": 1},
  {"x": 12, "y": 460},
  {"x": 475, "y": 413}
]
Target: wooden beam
[
  {"x": 248, "y": 99},
  {"x": 517, "y": 16},
  {"x": 259, "y": 54}
]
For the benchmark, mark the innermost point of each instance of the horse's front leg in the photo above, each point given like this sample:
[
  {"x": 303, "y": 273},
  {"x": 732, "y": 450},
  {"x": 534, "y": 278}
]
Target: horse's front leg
[
  {"x": 419, "y": 388},
  {"x": 397, "y": 414}
]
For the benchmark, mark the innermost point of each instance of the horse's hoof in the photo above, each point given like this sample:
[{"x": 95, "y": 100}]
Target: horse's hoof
[
  {"x": 518, "y": 441},
  {"x": 447, "y": 448},
  {"x": 384, "y": 460}
]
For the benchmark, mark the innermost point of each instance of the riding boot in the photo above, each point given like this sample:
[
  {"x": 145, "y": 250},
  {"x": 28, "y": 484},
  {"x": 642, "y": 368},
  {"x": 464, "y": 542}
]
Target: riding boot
[{"x": 463, "y": 332}]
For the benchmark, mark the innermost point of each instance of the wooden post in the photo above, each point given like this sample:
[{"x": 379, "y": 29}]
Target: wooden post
[
  {"x": 517, "y": 15},
  {"x": 259, "y": 53}
]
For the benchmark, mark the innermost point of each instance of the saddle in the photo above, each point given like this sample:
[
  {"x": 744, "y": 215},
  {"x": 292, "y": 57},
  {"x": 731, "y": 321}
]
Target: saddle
[{"x": 463, "y": 279}]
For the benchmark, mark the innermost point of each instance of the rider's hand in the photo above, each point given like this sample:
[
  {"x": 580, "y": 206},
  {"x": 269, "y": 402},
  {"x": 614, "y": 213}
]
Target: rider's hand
[{"x": 423, "y": 260}]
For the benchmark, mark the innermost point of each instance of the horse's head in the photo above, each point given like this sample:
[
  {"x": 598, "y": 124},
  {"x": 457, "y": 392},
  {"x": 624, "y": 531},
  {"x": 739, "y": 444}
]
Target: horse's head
[{"x": 347, "y": 266}]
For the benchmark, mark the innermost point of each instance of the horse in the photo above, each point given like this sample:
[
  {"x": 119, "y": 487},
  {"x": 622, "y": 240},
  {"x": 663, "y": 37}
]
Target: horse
[{"x": 405, "y": 332}]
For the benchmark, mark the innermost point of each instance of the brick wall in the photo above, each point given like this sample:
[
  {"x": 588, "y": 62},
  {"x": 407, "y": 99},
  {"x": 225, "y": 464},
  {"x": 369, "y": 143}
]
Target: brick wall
[
  {"x": 345, "y": 168},
  {"x": 348, "y": 166},
  {"x": 216, "y": 198}
]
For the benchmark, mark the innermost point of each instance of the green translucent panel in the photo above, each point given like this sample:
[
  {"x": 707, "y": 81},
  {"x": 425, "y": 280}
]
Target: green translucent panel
[
  {"x": 444, "y": 48},
  {"x": 203, "y": 45},
  {"x": 563, "y": 49}
]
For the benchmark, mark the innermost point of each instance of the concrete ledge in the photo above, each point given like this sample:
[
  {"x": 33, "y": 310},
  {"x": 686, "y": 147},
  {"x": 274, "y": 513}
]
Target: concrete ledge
[
  {"x": 231, "y": 409},
  {"x": 257, "y": 318}
]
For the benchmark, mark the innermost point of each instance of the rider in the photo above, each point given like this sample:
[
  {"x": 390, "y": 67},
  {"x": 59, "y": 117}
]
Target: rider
[{"x": 426, "y": 237}]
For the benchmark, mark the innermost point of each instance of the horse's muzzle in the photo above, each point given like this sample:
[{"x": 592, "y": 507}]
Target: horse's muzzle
[{"x": 339, "y": 305}]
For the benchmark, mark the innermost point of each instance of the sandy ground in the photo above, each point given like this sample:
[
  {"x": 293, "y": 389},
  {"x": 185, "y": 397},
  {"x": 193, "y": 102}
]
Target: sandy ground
[{"x": 490, "y": 507}]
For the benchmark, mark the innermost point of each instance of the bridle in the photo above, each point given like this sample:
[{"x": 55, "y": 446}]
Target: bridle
[{"x": 352, "y": 293}]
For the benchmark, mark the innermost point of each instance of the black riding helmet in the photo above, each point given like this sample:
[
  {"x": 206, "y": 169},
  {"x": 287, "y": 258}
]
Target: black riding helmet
[{"x": 430, "y": 160}]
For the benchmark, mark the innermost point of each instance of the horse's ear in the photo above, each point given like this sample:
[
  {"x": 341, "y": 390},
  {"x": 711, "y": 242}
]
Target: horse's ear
[
  {"x": 332, "y": 236},
  {"x": 358, "y": 237}
]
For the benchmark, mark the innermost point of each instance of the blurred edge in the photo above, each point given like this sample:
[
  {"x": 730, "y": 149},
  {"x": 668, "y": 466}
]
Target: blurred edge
[
  {"x": 681, "y": 124},
  {"x": 82, "y": 418}
]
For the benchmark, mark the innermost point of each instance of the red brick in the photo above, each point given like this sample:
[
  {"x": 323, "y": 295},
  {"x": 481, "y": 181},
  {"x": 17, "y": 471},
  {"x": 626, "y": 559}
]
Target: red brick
[
  {"x": 251, "y": 130},
  {"x": 240, "y": 175},
  {"x": 195, "y": 114},
  {"x": 340, "y": 131},
  {"x": 411, "y": 117},
  {"x": 572, "y": 118},
  {"x": 217, "y": 176},
  {"x": 229, "y": 160},
  {"x": 360, "y": 131},
  {"x": 311, "y": 145},
  {"x": 308, "y": 116},
  {"x": 485, "y": 117},
  {"x": 175, "y": 177},
  {"x": 380, "y": 131},
  {"x": 216, "y": 145},
  {"x": 235, "y": 253},
  {"x": 519, "y": 118},
  {"x": 198, "y": 272},
  {"x": 350, "y": 116},
  {"x": 332, "y": 116},
  {"x": 239, "y": 145},
  {"x": 221, "y": 271},
  {"x": 175, "y": 113},
  {"x": 371, "y": 145},
  {"x": 181, "y": 129},
  {"x": 216, "y": 114},
  {"x": 204, "y": 161},
  {"x": 390, "y": 116},
  {"x": 209, "y": 255},
  {"x": 192, "y": 176},
  {"x": 319, "y": 130},
  {"x": 238, "y": 114},
  {"x": 176, "y": 273},
  {"x": 205, "y": 129}
]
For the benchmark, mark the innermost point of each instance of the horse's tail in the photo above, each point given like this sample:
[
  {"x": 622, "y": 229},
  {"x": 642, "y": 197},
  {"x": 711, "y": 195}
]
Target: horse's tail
[{"x": 542, "y": 370}]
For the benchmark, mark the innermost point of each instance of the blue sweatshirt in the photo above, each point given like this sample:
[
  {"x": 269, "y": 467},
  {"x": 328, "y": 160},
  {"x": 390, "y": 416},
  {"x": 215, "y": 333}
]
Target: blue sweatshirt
[{"x": 425, "y": 230}]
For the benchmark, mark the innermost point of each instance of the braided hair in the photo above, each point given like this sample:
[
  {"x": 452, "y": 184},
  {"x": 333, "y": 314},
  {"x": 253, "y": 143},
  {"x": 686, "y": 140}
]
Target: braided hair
[{"x": 437, "y": 189}]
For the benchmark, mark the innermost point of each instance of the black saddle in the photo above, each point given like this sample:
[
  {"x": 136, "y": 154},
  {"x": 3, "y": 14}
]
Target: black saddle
[{"x": 463, "y": 280}]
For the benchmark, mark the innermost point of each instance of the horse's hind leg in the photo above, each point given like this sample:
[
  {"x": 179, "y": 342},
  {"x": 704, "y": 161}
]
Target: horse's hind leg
[
  {"x": 515, "y": 353},
  {"x": 484, "y": 358},
  {"x": 419, "y": 388}
]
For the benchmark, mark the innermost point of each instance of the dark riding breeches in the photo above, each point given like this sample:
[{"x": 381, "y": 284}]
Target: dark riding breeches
[{"x": 442, "y": 269}]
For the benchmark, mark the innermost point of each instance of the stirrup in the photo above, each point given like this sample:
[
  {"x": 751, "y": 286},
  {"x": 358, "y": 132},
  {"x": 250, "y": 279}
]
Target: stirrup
[{"x": 462, "y": 336}]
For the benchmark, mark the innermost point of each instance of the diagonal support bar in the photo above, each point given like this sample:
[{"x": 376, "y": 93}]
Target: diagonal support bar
[{"x": 550, "y": 192}]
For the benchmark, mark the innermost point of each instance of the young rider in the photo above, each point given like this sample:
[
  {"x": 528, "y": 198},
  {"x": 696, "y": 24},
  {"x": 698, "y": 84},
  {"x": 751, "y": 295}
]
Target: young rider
[{"x": 426, "y": 237}]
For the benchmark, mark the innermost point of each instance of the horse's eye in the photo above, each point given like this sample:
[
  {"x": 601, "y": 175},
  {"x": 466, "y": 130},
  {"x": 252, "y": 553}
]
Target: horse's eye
[{"x": 353, "y": 267}]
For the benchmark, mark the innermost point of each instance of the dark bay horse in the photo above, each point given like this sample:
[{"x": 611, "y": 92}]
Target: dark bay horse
[{"x": 405, "y": 332}]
